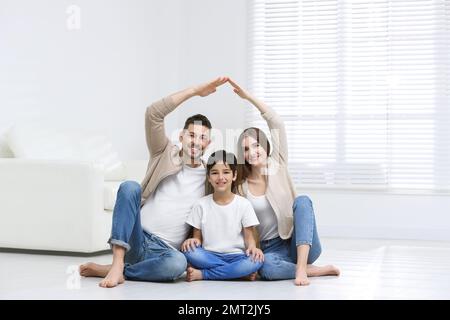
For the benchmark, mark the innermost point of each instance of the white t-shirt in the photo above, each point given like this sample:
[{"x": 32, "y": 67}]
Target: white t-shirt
[
  {"x": 222, "y": 225},
  {"x": 164, "y": 213},
  {"x": 268, "y": 223}
]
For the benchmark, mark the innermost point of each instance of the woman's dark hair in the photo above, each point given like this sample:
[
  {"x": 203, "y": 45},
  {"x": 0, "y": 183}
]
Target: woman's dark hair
[
  {"x": 244, "y": 168},
  {"x": 224, "y": 157}
]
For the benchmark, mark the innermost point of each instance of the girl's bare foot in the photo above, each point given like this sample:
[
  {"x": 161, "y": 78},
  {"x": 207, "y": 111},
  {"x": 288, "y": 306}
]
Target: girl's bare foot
[
  {"x": 250, "y": 277},
  {"x": 301, "y": 277},
  {"x": 315, "y": 271},
  {"x": 193, "y": 274},
  {"x": 114, "y": 276},
  {"x": 91, "y": 269}
]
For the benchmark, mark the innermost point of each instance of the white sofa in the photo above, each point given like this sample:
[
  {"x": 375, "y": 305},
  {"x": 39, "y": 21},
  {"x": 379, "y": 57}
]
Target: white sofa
[{"x": 57, "y": 205}]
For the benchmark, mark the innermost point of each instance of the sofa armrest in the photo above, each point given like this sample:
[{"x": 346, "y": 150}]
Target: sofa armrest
[
  {"x": 52, "y": 205},
  {"x": 135, "y": 169}
]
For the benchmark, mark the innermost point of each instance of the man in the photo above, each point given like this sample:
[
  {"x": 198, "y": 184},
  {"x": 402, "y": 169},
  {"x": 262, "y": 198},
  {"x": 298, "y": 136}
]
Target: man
[{"x": 149, "y": 219}]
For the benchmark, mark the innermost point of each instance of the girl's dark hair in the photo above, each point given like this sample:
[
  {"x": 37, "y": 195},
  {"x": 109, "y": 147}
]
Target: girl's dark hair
[
  {"x": 244, "y": 168},
  {"x": 227, "y": 158}
]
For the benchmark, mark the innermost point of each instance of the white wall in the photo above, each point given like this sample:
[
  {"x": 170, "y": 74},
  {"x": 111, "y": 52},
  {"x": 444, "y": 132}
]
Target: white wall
[
  {"x": 353, "y": 214},
  {"x": 214, "y": 43},
  {"x": 125, "y": 55}
]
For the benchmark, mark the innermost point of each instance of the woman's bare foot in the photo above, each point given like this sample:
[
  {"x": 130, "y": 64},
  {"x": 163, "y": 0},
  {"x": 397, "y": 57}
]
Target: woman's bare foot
[
  {"x": 315, "y": 271},
  {"x": 114, "y": 276},
  {"x": 91, "y": 269},
  {"x": 193, "y": 274},
  {"x": 301, "y": 277},
  {"x": 250, "y": 277}
]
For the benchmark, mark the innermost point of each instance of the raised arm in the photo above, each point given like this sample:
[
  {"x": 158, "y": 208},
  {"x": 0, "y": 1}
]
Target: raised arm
[
  {"x": 274, "y": 122},
  {"x": 154, "y": 116}
]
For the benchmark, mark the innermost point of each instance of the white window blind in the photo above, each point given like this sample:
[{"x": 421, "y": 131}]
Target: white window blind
[{"x": 363, "y": 88}]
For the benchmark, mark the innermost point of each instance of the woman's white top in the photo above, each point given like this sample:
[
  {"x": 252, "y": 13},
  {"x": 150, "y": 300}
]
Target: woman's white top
[{"x": 268, "y": 224}]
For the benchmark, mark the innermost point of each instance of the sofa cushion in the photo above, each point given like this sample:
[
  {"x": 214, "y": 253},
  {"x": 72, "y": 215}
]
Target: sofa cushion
[{"x": 42, "y": 141}]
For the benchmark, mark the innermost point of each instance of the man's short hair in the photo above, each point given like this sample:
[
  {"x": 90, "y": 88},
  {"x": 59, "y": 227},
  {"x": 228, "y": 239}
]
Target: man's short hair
[{"x": 197, "y": 119}]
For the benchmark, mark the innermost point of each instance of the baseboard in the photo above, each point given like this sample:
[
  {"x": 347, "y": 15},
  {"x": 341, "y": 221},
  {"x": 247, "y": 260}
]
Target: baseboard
[
  {"x": 390, "y": 233},
  {"x": 55, "y": 253}
]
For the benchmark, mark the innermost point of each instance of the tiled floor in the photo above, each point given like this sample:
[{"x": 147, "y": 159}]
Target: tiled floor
[{"x": 371, "y": 269}]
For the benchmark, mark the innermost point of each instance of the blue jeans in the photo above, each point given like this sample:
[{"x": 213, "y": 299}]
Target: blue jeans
[
  {"x": 280, "y": 256},
  {"x": 221, "y": 266},
  {"x": 147, "y": 257}
]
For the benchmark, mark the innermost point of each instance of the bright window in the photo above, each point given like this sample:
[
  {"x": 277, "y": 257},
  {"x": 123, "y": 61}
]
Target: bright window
[{"x": 363, "y": 88}]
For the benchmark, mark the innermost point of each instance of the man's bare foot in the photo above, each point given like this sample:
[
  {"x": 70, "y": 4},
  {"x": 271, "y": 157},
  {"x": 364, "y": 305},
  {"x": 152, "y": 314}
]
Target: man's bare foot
[
  {"x": 91, "y": 269},
  {"x": 315, "y": 271},
  {"x": 114, "y": 276},
  {"x": 301, "y": 278},
  {"x": 193, "y": 274},
  {"x": 250, "y": 277}
]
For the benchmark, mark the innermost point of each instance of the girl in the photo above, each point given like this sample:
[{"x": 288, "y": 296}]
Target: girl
[
  {"x": 222, "y": 246},
  {"x": 287, "y": 229}
]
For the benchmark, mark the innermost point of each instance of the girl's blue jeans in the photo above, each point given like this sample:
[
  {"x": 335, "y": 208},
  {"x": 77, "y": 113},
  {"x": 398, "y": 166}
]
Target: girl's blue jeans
[{"x": 221, "y": 266}]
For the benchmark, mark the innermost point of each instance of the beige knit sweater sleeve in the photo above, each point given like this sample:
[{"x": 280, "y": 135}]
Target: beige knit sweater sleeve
[
  {"x": 278, "y": 135},
  {"x": 155, "y": 134}
]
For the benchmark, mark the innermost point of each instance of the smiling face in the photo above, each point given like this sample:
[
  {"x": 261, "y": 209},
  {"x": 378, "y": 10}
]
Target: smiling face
[
  {"x": 254, "y": 153},
  {"x": 194, "y": 140},
  {"x": 221, "y": 177}
]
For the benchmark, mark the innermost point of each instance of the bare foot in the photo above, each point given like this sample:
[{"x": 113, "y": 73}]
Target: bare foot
[
  {"x": 301, "y": 278},
  {"x": 250, "y": 277},
  {"x": 315, "y": 271},
  {"x": 114, "y": 276},
  {"x": 193, "y": 274},
  {"x": 91, "y": 269}
]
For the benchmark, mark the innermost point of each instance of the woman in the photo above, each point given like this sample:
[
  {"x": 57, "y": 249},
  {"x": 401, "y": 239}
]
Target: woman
[{"x": 287, "y": 230}]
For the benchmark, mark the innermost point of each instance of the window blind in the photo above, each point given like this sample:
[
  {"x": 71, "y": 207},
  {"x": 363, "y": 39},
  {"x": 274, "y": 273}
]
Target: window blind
[{"x": 362, "y": 86}]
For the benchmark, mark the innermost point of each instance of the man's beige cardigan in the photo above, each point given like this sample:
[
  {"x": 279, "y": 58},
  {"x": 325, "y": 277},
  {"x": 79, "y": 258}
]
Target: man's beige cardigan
[{"x": 165, "y": 159}]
